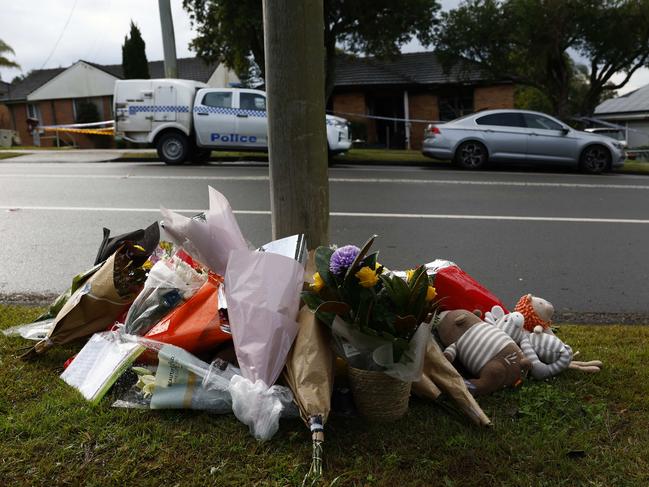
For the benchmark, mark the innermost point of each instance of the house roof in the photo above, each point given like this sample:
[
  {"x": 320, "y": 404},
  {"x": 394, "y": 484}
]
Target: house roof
[
  {"x": 188, "y": 68},
  {"x": 632, "y": 102},
  {"x": 417, "y": 68}
]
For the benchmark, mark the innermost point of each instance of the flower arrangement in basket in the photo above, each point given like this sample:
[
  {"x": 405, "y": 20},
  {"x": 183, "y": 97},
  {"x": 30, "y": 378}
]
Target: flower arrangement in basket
[{"x": 380, "y": 323}]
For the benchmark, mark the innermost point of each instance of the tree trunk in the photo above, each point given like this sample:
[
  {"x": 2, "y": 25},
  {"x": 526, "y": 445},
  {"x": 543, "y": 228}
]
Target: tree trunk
[{"x": 299, "y": 185}]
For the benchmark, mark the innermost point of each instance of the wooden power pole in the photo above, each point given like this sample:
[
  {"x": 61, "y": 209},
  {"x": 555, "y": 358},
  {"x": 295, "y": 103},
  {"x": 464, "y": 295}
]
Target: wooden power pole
[
  {"x": 168, "y": 39},
  {"x": 299, "y": 179}
]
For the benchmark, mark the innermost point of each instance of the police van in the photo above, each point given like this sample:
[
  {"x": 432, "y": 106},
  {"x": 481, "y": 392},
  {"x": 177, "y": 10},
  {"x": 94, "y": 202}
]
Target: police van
[{"x": 185, "y": 120}]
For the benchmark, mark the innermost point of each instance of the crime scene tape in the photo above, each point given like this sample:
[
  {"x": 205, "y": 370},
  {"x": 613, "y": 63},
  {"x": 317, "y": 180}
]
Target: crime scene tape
[
  {"x": 106, "y": 131},
  {"x": 107, "y": 127}
]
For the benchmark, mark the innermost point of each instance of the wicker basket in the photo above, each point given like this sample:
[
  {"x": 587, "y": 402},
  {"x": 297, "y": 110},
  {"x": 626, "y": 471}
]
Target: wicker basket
[{"x": 378, "y": 396}]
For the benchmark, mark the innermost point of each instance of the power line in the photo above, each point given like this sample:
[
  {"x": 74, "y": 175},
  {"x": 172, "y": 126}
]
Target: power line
[{"x": 60, "y": 35}]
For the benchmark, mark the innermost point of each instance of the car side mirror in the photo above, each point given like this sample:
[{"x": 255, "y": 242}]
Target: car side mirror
[{"x": 565, "y": 131}]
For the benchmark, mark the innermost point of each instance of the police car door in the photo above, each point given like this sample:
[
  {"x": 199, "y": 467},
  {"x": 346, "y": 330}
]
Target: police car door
[
  {"x": 214, "y": 119},
  {"x": 252, "y": 124}
]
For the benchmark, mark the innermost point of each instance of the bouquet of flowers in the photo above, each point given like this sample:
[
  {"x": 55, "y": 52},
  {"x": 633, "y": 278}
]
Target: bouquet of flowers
[{"x": 379, "y": 321}]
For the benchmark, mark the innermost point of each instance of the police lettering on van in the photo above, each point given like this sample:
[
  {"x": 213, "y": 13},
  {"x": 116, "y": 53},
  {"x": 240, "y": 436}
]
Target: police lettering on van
[{"x": 216, "y": 137}]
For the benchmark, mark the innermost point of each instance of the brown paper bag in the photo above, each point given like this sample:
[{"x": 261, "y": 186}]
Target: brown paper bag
[
  {"x": 439, "y": 374},
  {"x": 91, "y": 308}
]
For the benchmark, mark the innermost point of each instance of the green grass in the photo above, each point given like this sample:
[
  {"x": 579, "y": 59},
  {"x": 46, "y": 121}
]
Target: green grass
[
  {"x": 9, "y": 155},
  {"x": 636, "y": 167},
  {"x": 576, "y": 429}
]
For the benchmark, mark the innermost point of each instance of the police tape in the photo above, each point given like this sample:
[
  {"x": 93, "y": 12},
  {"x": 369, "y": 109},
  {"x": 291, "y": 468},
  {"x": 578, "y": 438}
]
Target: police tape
[
  {"x": 377, "y": 117},
  {"x": 106, "y": 131}
]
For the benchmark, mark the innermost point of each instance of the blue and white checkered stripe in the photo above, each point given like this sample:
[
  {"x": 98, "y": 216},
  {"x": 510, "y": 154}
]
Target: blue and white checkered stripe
[
  {"x": 230, "y": 111},
  {"x": 133, "y": 109}
]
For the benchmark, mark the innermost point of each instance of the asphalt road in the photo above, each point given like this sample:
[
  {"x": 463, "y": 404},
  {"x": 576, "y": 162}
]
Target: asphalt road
[{"x": 582, "y": 242}]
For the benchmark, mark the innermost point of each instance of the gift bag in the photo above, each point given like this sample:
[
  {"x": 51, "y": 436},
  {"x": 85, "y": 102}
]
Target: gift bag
[
  {"x": 458, "y": 290},
  {"x": 195, "y": 325}
]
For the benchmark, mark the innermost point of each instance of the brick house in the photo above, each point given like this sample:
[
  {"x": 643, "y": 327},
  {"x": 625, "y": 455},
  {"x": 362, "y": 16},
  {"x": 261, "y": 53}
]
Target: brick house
[
  {"x": 53, "y": 96},
  {"x": 413, "y": 86}
]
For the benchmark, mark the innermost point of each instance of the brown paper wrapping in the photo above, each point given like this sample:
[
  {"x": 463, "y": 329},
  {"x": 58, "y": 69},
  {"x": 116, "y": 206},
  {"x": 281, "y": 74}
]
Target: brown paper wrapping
[
  {"x": 91, "y": 308},
  {"x": 309, "y": 367},
  {"x": 440, "y": 375}
]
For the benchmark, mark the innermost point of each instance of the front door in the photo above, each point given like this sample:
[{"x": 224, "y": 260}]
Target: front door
[
  {"x": 214, "y": 119},
  {"x": 252, "y": 121},
  {"x": 548, "y": 141},
  {"x": 505, "y": 134}
]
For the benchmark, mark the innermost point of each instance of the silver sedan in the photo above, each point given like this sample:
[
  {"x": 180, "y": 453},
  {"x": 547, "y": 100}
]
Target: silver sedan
[{"x": 519, "y": 136}]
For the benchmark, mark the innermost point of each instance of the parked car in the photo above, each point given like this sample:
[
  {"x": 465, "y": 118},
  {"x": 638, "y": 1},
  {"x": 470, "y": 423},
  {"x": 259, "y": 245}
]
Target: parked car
[
  {"x": 475, "y": 140},
  {"x": 613, "y": 133}
]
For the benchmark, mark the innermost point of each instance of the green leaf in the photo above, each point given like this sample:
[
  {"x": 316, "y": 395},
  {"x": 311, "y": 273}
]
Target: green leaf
[
  {"x": 401, "y": 293},
  {"x": 311, "y": 299},
  {"x": 350, "y": 274},
  {"x": 335, "y": 307},
  {"x": 322, "y": 258}
]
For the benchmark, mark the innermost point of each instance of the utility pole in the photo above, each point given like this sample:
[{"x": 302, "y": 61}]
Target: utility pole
[
  {"x": 295, "y": 62},
  {"x": 168, "y": 39}
]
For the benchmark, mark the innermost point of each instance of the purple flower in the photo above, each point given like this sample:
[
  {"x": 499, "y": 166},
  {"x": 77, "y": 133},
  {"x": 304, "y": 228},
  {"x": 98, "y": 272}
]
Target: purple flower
[{"x": 342, "y": 258}]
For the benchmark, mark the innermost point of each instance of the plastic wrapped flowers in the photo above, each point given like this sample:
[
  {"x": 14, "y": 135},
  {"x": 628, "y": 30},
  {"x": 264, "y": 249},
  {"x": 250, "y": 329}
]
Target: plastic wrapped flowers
[{"x": 379, "y": 321}]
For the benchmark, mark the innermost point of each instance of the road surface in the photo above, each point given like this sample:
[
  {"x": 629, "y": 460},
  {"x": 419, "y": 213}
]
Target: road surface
[{"x": 581, "y": 242}]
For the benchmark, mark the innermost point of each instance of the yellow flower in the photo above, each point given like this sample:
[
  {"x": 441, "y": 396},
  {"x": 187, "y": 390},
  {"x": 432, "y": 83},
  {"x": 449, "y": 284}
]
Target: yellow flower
[
  {"x": 430, "y": 293},
  {"x": 377, "y": 266},
  {"x": 318, "y": 283},
  {"x": 367, "y": 277},
  {"x": 409, "y": 274}
]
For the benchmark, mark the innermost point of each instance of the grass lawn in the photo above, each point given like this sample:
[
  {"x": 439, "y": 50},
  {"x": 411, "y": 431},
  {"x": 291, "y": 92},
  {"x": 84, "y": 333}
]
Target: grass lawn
[
  {"x": 576, "y": 429},
  {"x": 9, "y": 155}
]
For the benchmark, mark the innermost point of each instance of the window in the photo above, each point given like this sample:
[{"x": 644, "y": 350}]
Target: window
[
  {"x": 455, "y": 104},
  {"x": 218, "y": 99},
  {"x": 88, "y": 110},
  {"x": 33, "y": 111},
  {"x": 540, "y": 122},
  {"x": 252, "y": 101},
  {"x": 502, "y": 119}
]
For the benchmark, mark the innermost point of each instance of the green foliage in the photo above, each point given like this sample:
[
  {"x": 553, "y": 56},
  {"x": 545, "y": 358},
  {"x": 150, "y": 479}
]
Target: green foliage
[
  {"x": 134, "y": 62},
  {"x": 5, "y": 62},
  {"x": 231, "y": 31},
  {"x": 390, "y": 307},
  {"x": 576, "y": 429},
  {"x": 529, "y": 40}
]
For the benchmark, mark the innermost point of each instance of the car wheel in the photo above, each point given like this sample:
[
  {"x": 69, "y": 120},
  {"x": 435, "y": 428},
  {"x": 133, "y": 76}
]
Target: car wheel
[
  {"x": 471, "y": 155},
  {"x": 595, "y": 159},
  {"x": 173, "y": 148}
]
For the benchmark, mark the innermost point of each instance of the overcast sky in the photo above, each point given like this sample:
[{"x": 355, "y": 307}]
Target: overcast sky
[{"x": 47, "y": 34}]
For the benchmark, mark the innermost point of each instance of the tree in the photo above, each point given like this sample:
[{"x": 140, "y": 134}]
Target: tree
[
  {"x": 231, "y": 31},
  {"x": 531, "y": 40},
  {"x": 134, "y": 61},
  {"x": 4, "y": 61}
]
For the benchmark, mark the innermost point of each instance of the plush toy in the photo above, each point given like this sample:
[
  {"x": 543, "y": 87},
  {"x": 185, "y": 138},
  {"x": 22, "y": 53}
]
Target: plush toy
[
  {"x": 536, "y": 311},
  {"x": 547, "y": 353},
  {"x": 487, "y": 352}
]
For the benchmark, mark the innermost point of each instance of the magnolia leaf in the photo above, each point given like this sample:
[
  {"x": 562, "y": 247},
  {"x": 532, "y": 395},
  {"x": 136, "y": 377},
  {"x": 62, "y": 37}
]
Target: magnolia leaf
[
  {"x": 335, "y": 307},
  {"x": 322, "y": 259},
  {"x": 405, "y": 324},
  {"x": 401, "y": 293},
  {"x": 359, "y": 258},
  {"x": 312, "y": 300}
]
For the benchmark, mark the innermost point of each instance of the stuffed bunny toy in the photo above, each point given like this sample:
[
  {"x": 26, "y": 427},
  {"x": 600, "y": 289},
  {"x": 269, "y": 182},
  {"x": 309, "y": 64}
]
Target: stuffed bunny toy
[
  {"x": 487, "y": 352},
  {"x": 547, "y": 353}
]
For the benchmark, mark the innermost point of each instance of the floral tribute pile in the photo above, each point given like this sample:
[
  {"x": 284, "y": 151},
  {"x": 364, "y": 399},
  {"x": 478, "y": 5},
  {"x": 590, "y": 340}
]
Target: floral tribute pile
[{"x": 206, "y": 321}]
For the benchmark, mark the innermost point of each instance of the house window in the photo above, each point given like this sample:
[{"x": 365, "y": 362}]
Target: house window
[
  {"x": 87, "y": 110},
  {"x": 33, "y": 111},
  {"x": 455, "y": 104}
]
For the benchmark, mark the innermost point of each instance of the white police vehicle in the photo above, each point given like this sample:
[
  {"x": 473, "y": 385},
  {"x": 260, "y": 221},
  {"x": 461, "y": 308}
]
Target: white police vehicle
[{"x": 186, "y": 120}]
